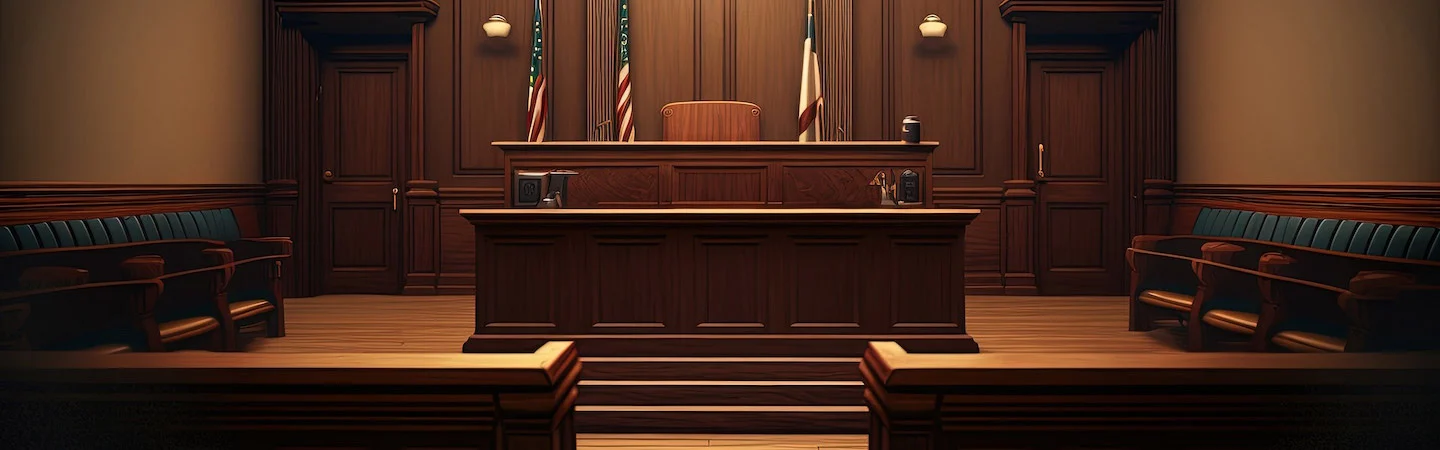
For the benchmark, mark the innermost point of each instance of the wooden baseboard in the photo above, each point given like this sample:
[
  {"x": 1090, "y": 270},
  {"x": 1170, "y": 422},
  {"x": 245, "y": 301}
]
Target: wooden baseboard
[
  {"x": 720, "y": 345},
  {"x": 24, "y": 202},
  {"x": 1394, "y": 203}
]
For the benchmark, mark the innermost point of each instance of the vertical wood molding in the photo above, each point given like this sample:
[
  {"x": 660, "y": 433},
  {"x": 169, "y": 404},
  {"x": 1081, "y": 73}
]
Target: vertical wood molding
[
  {"x": 836, "y": 41},
  {"x": 887, "y": 71},
  {"x": 291, "y": 134},
  {"x": 1019, "y": 104}
]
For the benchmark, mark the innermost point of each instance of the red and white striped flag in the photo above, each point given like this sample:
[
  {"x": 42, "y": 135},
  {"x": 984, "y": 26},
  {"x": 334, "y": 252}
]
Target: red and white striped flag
[
  {"x": 538, "y": 104},
  {"x": 622, "y": 92},
  {"x": 811, "y": 101}
]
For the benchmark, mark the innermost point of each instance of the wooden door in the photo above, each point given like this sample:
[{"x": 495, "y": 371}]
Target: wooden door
[
  {"x": 363, "y": 133},
  {"x": 1080, "y": 177}
]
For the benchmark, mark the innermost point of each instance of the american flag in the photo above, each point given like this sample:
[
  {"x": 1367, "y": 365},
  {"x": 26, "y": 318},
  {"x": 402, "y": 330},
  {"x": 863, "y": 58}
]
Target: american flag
[
  {"x": 810, "y": 98},
  {"x": 538, "y": 104},
  {"x": 622, "y": 95}
]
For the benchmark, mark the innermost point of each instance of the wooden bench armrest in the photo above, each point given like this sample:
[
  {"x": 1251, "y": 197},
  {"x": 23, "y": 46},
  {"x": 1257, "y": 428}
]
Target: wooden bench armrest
[
  {"x": 1242, "y": 270},
  {"x": 128, "y": 285},
  {"x": 248, "y": 249}
]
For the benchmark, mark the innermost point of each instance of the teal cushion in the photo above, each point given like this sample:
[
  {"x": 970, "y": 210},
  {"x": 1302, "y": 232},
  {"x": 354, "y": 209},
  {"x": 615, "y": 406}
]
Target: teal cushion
[
  {"x": 228, "y": 224},
  {"x": 1343, "y": 234},
  {"x": 81, "y": 233},
  {"x": 1228, "y": 221},
  {"x": 62, "y": 233},
  {"x": 1287, "y": 228},
  {"x": 1307, "y": 231},
  {"x": 1267, "y": 229},
  {"x": 1434, "y": 250},
  {"x": 187, "y": 222},
  {"x": 46, "y": 235},
  {"x": 1252, "y": 229},
  {"x": 1324, "y": 234},
  {"x": 1216, "y": 219},
  {"x": 147, "y": 223},
  {"x": 1241, "y": 223},
  {"x": 1362, "y": 237},
  {"x": 97, "y": 232},
  {"x": 1422, "y": 240},
  {"x": 1380, "y": 240},
  {"x": 202, "y": 223},
  {"x": 1399, "y": 241},
  {"x": 171, "y": 226},
  {"x": 1200, "y": 221},
  {"x": 133, "y": 229},
  {"x": 26, "y": 235},
  {"x": 115, "y": 229},
  {"x": 8, "y": 243}
]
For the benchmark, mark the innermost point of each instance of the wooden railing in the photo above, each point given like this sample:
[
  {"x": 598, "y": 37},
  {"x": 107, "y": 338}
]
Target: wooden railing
[
  {"x": 253, "y": 400},
  {"x": 1159, "y": 400}
]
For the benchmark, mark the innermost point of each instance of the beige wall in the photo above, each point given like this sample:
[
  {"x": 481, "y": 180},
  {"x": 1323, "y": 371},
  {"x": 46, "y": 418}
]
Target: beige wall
[
  {"x": 131, "y": 91},
  {"x": 1308, "y": 91}
]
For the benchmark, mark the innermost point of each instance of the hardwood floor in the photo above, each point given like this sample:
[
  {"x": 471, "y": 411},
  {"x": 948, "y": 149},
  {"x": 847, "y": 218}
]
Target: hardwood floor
[
  {"x": 639, "y": 397},
  {"x": 386, "y": 324}
]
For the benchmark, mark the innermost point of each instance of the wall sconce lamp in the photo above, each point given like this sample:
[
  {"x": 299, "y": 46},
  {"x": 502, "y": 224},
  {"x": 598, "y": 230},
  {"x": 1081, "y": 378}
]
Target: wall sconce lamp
[
  {"x": 932, "y": 27},
  {"x": 496, "y": 27}
]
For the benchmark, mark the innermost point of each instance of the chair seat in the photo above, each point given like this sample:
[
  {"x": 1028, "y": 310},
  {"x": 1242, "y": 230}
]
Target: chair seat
[
  {"x": 110, "y": 349},
  {"x": 1307, "y": 342},
  {"x": 248, "y": 308},
  {"x": 1168, "y": 300},
  {"x": 1233, "y": 321},
  {"x": 181, "y": 329}
]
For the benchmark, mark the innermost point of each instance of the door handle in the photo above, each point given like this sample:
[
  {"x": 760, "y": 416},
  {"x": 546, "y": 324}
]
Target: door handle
[
  {"x": 328, "y": 176},
  {"x": 1040, "y": 161},
  {"x": 394, "y": 199}
]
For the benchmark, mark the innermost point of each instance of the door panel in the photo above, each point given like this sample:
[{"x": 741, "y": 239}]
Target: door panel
[
  {"x": 363, "y": 118},
  {"x": 1073, "y": 115}
]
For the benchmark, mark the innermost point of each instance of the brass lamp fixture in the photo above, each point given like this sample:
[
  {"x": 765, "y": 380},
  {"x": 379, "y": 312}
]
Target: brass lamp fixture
[
  {"x": 496, "y": 27},
  {"x": 932, "y": 27}
]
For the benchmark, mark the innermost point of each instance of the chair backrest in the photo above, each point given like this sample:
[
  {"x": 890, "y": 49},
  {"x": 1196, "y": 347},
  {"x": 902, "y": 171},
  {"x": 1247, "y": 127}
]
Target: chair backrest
[
  {"x": 214, "y": 224},
  {"x": 1351, "y": 236},
  {"x": 710, "y": 121}
]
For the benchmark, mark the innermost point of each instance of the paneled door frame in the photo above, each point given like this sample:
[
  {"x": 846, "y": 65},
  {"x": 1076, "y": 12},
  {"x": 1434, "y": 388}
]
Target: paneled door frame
[{"x": 1139, "y": 37}]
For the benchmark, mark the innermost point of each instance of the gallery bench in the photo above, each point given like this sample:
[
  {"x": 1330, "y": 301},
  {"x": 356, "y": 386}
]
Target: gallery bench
[
  {"x": 1149, "y": 400},
  {"x": 1326, "y": 251},
  {"x": 291, "y": 400},
  {"x": 64, "y": 308},
  {"x": 1272, "y": 309},
  {"x": 98, "y": 245}
]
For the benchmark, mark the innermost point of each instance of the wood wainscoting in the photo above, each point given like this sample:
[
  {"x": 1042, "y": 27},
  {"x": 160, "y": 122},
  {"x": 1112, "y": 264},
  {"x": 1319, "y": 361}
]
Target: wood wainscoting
[
  {"x": 969, "y": 87},
  {"x": 1398, "y": 203},
  {"x": 39, "y": 201}
]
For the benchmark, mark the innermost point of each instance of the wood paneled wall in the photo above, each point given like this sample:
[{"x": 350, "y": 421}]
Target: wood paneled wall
[
  {"x": 876, "y": 70},
  {"x": 23, "y": 202}
]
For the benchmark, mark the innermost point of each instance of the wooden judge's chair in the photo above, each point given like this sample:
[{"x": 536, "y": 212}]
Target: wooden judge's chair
[{"x": 710, "y": 121}]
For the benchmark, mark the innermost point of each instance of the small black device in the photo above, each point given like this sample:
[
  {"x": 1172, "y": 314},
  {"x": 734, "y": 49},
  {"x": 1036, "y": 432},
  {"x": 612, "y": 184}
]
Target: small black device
[
  {"x": 529, "y": 189},
  {"x": 910, "y": 130},
  {"x": 908, "y": 187}
]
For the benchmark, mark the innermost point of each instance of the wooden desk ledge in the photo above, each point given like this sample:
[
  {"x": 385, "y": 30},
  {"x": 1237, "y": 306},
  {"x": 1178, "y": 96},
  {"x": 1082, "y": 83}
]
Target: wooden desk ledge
[
  {"x": 888, "y": 365},
  {"x": 717, "y": 216},
  {"x": 552, "y": 364}
]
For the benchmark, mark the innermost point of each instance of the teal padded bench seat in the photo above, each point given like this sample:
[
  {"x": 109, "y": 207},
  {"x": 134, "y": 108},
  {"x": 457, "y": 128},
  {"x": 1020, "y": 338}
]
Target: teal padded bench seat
[
  {"x": 213, "y": 224},
  {"x": 1349, "y": 236}
]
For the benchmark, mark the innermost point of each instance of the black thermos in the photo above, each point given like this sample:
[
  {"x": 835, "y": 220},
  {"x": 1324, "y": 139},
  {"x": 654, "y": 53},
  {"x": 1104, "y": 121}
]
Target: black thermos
[{"x": 910, "y": 130}]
